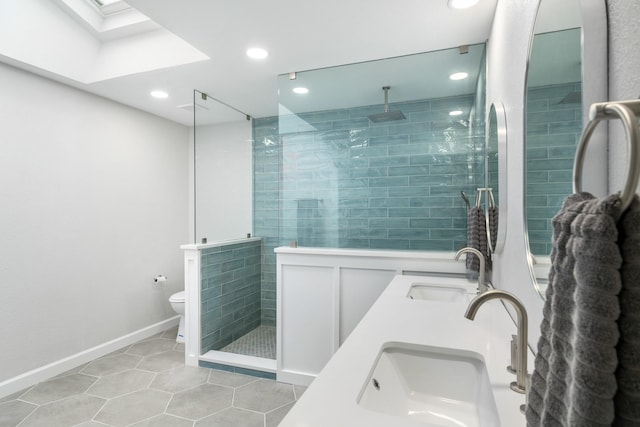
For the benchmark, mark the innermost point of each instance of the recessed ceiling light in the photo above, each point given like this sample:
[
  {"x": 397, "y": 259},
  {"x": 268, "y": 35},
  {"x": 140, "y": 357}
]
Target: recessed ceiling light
[
  {"x": 257, "y": 53},
  {"x": 459, "y": 76},
  {"x": 159, "y": 94},
  {"x": 300, "y": 90},
  {"x": 456, "y": 112},
  {"x": 461, "y": 4}
]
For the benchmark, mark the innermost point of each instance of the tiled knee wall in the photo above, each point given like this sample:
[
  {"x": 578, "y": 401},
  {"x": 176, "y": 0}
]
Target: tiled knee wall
[{"x": 231, "y": 294}]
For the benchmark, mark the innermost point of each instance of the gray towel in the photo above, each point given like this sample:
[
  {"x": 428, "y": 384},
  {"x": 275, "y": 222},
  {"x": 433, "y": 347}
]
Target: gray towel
[
  {"x": 476, "y": 238},
  {"x": 492, "y": 213},
  {"x": 627, "y": 399},
  {"x": 574, "y": 380}
]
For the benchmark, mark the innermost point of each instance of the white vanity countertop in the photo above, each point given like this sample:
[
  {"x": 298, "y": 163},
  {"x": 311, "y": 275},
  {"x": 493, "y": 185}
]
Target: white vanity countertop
[{"x": 331, "y": 400}]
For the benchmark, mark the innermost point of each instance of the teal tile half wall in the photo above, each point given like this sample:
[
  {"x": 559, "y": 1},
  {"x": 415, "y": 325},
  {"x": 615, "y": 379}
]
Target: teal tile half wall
[
  {"x": 230, "y": 294},
  {"x": 335, "y": 179}
]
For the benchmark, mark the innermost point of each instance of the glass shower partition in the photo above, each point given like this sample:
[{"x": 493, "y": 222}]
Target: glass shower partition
[
  {"x": 229, "y": 261},
  {"x": 326, "y": 175},
  {"x": 222, "y": 171},
  {"x": 328, "y": 172}
]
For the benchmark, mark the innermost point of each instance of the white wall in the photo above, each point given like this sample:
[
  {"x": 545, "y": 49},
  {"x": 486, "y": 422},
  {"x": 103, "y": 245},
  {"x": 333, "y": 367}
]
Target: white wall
[
  {"x": 624, "y": 82},
  {"x": 94, "y": 204}
]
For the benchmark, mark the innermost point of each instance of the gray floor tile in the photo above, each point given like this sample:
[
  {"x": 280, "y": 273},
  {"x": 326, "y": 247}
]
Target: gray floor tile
[
  {"x": 162, "y": 361},
  {"x": 134, "y": 407},
  {"x": 200, "y": 401},
  {"x": 121, "y": 383},
  {"x": 58, "y": 388},
  {"x": 263, "y": 396},
  {"x": 112, "y": 364},
  {"x": 299, "y": 391},
  {"x": 164, "y": 420},
  {"x": 118, "y": 351},
  {"x": 11, "y": 413},
  {"x": 154, "y": 346},
  {"x": 179, "y": 379},
  {"x": 64, "y": 413},
  {"x": 92, "y": 424},
  {"x": 14, "y": 395},
  {"x": 148, "y": 390},
  {"x": 171, "y": 333},
  {"x": 75, "y": 370},
  {"x": 232, "y": 417},
  {"x": 230, "y": 379},
  {"x": 273, "y": 418}
]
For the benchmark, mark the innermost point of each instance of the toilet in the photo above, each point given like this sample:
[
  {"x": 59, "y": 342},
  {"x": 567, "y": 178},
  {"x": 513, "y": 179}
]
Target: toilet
[{"x": 177, "y": 303}]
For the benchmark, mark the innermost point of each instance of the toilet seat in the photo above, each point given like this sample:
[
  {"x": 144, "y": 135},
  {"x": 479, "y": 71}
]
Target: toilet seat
[{"x": 177, "y": 297}]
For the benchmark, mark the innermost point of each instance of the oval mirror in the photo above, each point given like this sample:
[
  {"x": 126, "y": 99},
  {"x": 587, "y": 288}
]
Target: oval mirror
[{"x": 554, "y": 112}]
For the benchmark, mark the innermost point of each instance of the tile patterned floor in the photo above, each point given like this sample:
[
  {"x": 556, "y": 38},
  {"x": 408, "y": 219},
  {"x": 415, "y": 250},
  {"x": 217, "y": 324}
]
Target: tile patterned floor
[
  {"x": 261, "y": 342},
  {"x": 147, "y": 385}
]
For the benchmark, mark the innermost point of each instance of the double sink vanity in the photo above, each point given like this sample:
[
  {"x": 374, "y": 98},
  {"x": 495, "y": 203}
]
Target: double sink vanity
[{"x": 416, "y": 360}]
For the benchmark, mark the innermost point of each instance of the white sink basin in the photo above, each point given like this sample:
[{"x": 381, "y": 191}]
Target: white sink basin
[
  {"x": 433, "y": 292},
  {"x": 436, "y": 386}
]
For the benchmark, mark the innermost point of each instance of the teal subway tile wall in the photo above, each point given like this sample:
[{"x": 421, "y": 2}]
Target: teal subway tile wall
[
  {"x": 554, "y": 127},
  {"x": 335, "y": 179},
  {"x": 231, "y": 296}
]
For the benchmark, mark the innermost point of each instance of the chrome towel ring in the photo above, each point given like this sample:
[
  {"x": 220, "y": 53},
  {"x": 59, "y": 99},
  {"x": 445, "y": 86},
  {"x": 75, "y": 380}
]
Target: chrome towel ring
[{"x": 627, "y": 111}]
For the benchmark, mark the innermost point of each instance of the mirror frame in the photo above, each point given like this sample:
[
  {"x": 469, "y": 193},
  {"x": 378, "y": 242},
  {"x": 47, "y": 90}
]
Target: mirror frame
[
  {"x": 501, "y": 133},
  {"x": 594, "y": 89}
]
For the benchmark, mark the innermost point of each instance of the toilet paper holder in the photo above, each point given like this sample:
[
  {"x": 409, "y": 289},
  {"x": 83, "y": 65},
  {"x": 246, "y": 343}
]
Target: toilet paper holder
[{"x": 160, "y": 278}]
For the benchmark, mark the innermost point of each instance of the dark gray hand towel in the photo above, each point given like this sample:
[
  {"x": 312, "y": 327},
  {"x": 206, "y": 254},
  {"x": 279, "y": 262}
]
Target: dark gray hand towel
[
  {"x": 476, "y": 238},
  {"x": 574, "y": 379},
  {"x": 492, "y": 213},
  {"x": 627, "y": 399}
]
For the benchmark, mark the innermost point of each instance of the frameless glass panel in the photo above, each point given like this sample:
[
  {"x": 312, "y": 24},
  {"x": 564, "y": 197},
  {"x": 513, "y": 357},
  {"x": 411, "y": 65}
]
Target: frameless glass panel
[
  {"x": 222, "y": 171},
  {"x": 339, "y": 168}
]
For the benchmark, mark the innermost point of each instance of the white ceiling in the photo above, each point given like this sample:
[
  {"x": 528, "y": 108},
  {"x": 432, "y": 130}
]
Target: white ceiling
[{"x": 299, "y": 35}]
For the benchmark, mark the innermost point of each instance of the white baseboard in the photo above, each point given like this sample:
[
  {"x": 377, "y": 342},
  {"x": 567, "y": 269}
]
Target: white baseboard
[{"x": 27, "y": 379}]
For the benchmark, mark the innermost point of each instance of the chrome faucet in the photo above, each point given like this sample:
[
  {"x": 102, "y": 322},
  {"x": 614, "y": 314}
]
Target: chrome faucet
[
  {"x": 482, "y": 285},
  {"x": 521, "y": 365}
]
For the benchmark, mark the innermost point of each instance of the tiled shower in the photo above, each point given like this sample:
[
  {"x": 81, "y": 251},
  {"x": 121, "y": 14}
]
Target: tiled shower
[
  {"x": 333, "y": 178},
  {"x": 355, "y": 184}
]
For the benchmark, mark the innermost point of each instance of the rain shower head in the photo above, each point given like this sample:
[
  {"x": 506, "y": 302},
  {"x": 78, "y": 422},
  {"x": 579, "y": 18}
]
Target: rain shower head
[{"x": 387, "y": 116}]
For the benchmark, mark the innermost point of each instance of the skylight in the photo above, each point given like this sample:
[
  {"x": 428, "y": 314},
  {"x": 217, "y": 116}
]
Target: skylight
[
  {"x": 108, "y": 7},
  {"x": 91, "y": 47}
]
